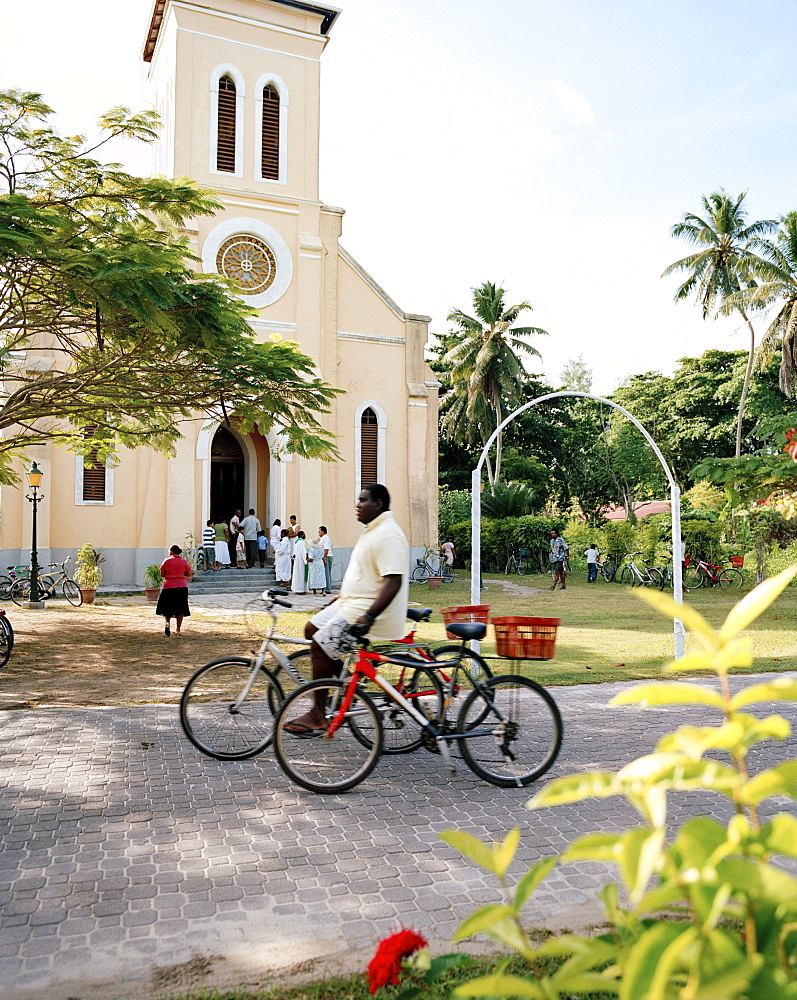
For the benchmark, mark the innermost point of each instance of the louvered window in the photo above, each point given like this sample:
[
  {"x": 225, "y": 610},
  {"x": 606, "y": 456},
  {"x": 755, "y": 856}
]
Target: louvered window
[
  {"x": 225, "y": 143},
  {"x": 270, "y": 150},
  {"x": 93, "y": 478},
  {"x": 368, "y": 447}
]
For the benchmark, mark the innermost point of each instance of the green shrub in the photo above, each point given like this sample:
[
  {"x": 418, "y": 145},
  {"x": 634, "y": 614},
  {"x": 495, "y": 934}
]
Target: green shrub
[
  {"x": 498, "y": 537},
  {"x": 704, "y": 912},
  {"x": 702, "y": 539},
  {"x": 578, "y": 535},
  {"x": 621, "y": 538},
  {"x": 452, "y": 506}
]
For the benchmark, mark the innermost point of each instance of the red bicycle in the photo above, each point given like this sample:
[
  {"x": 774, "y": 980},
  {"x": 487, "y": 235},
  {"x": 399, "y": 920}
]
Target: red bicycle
[
  {"x": 508, "y": 728},
  {"x": 705, "y": 574}
]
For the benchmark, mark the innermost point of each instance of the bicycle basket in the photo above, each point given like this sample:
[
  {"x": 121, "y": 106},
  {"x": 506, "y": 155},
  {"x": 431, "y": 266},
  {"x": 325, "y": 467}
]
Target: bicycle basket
[
  {"x": 466, "y": 613},
  {"x": 526, "y": 553},
  {"x": 526, "y": 638},
  {"x": 737, "y": 561},
  {"x": 22, "y": 572}
]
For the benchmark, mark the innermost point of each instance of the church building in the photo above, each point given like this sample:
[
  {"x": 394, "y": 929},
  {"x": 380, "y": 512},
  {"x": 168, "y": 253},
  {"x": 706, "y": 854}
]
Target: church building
[{"x": 237, "y": 84}]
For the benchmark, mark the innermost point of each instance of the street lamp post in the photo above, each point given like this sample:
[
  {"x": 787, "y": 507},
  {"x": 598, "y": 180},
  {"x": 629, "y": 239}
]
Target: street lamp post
[{"x": 34, "y": 481}]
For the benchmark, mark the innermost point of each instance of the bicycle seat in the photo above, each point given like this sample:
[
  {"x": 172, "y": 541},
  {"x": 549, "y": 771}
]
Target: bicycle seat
[
  {"x": 467, "y": 630},
  {"x": 419, "y": 614}
]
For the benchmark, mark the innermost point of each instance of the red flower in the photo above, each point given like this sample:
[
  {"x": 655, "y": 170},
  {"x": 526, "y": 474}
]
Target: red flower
[
  {"x": 385, "y": 966},
  {"x": 791, "y": 447}
]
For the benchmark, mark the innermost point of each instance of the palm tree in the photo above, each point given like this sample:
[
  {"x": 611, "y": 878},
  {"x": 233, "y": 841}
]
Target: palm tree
[
  {"x": 778, "y": 283},
  {"x": 486, "y": 370},
  {"x": 723, "y": 265}
]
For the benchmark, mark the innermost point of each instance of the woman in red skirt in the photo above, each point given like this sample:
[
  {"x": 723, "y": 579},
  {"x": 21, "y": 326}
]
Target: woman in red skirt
[{"x": 173, "y": 598}]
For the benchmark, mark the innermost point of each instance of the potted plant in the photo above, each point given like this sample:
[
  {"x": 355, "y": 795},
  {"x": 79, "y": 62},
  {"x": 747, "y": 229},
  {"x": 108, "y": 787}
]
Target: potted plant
[
  {"x": 152, "y": 581},
  {"x": 88, "y": 574}
]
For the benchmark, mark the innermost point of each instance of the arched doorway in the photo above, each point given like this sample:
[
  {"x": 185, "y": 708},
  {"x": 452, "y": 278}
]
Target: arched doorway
[{"x": 227, "y": 475}]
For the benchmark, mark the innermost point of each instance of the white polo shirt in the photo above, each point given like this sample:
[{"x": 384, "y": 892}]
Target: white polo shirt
[{"x": 381, "y": 551}]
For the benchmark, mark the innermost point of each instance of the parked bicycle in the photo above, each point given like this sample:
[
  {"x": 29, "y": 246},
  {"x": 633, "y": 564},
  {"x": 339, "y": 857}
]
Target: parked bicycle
[
  {"x": 7, "y": 582},
  {"x": 705, "y": 574},
  {"x": 509, "y": 728},
  {"x": 633, "y": 575},
  {"x": 48, "y": 584},
  {"x": 424, "y": 568},
  {"x": 6, "y": 638},
  {"x": 607, "y": 569},
  {"x": 518, "y": 562}
]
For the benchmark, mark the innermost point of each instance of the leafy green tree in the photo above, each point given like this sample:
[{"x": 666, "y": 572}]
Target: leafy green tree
[
  {"x": 485, "y": 371},
  {"x": 510, "y": 500},
  {"x": 723, "y": 265},
  {"x": 778, "y": 284},
  {"x": 576, "y": 375},
  {"x": 108, "y": 336}
]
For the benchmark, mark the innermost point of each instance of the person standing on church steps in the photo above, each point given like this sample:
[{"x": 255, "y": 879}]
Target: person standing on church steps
[
  {"x": 250, "y": 526},
  {"x": 209, "y": 544},
  {"x": 274, "y": 537},
  {"x": 235, "y": 521}
]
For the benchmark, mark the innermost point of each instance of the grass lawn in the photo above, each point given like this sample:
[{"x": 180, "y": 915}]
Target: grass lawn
[{"x": 606, "y": 633}]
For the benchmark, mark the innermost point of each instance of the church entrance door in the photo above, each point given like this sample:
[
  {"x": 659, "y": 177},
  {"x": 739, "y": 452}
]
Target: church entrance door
[{"x": 227, "y": 475}]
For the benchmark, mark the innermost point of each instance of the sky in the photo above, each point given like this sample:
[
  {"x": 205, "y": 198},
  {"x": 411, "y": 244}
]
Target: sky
[{"x": 546, "y": 145}]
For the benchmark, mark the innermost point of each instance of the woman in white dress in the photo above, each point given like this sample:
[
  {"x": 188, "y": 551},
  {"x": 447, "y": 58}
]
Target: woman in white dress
[
  {"x": 299, "y": 563},
  {"x": 282, "y": 560},
  {"x": 316, "y": 576}
]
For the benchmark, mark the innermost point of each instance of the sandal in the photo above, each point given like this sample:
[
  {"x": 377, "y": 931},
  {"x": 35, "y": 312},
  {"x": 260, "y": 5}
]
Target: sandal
[{"x": 306, "y": 729}]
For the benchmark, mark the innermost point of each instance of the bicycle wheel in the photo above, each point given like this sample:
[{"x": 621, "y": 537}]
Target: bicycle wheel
[
  {"x": 72, "y": 593},
  {"x": 628, "y": 578},
  {"x": 400, "y": 732},
  {"x": 420, "y": 574},
  {"x": 730, "y": 578},
  {"x": 8, "y": 628},
  {"x": 514, "y": 731},
  {"x": 653, "y": 578},
  {"x": 693, "y": 579},
  {"x": 302, "y": 661},
  {"x": 522, "y": 566},
  {"x": 20, "y": 592},
  {"x": 5, "y": 588},
  {"x": 46, "y": 586},
  {"x": 322, "y": 763},
  {"x": 509, "y": 569},
  {"x": 447, "y": 573},
  {"x": 212, "y": 718},
  {"x": 5, "y": 645}
]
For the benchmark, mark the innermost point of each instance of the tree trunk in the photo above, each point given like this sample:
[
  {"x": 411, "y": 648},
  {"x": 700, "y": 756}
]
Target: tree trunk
[{"x": 745, "y": 386}]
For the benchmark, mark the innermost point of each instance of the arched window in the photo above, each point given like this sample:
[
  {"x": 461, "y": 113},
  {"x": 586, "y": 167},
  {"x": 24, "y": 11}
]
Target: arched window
[
  {"x": 225, "y": 143},
  {"x": 270, "y": 134},
  {"x": 369, "y": 447}
]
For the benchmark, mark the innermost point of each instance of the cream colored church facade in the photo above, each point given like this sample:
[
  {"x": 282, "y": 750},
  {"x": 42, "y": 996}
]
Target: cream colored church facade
[{"x": 237, "y": 83}]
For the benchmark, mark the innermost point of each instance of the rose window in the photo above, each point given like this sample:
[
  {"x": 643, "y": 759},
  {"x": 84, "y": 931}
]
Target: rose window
[{"x": 248, "y": 262}]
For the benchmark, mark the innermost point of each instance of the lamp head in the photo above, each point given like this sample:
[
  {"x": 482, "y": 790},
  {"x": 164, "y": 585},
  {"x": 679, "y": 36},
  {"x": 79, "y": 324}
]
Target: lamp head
[{"x": 34, "y": 477}]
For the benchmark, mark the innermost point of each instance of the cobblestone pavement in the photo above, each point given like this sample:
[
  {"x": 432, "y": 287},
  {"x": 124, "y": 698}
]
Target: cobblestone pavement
[{"x": 131, "y": 866}]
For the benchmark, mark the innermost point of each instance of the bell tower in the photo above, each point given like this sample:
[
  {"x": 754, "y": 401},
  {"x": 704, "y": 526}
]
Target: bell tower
[{"x": 237, "y": 85}]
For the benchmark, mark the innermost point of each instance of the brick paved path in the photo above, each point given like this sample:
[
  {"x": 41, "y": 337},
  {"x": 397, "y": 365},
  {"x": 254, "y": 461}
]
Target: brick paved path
[{"x": 132, "y": 866}]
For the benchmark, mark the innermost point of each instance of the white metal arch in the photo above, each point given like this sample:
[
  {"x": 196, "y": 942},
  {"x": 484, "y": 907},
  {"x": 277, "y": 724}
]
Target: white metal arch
[{"x": 675, "y": 504}]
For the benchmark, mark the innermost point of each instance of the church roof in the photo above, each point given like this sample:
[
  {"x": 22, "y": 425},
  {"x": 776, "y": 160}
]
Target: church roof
[{"x": 327, "y": 13}]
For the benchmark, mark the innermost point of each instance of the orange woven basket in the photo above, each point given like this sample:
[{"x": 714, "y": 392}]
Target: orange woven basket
[
  {"x": 526, "y": 638},
  {"x": 737, "y": 561},
  {"x": 466, "y": 613}
]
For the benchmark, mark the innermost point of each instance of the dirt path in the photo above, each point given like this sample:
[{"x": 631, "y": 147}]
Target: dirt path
[
  {"x": 516, "y": 589},
  {"x": 112, "y": 654}
]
